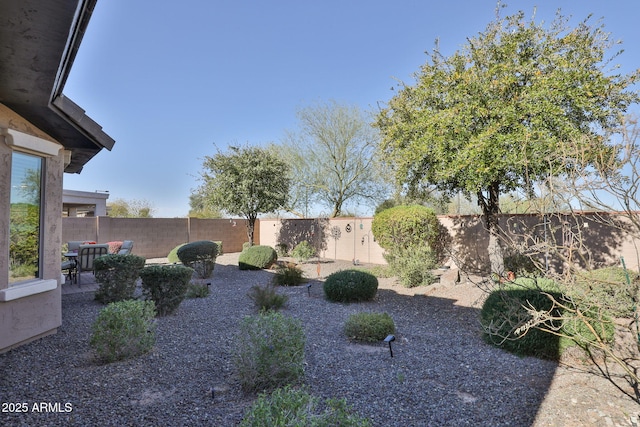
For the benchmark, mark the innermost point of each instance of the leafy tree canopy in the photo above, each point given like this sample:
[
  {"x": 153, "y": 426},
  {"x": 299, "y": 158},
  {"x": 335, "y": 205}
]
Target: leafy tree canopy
[
  {"x": 246, "y": 181},
  {"x": 492, "y": 117},
  {"x": 333, "y": 158}
]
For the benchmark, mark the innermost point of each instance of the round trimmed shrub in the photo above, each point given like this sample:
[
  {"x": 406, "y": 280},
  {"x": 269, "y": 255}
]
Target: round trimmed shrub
[
  {"x": 117, "y": 276},
  {"x": 369, "y": 327},
  {"x": 257, "y": 257},
  {"x": 402, "y": 227},
  {"x": 503, "y": 312},
  {"x": 200, "y": 255},
  {"x": 123, "y": 329},
  {"x": 173, "y": 255},
  {"x": 350, "y": 286},
  {"x": 166, "y": 285},
  {"x": 303, "y": 251}
]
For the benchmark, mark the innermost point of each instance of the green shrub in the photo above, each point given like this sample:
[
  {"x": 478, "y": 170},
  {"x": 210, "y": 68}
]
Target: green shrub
[
  {"x": 303, "y": 251},
  {"x": 521, "y": 265},
  {"x": 257, "y": 257},
  {"x": 282, "y": 249},
  {"x": 503, "y": 311},
  {"x": 219, "y": 243},
  {"x": 608, "y": 288},
  {"x": 166, "y": 285},
  {"x": 350, "y": 286},
  {"x": 123, "y": 329},
  {"x": 173, "y": 255},
  {"x": 402, "y": 227},
  {"x": 369, "y": 327},
  {"x": 412, "y": 265},
  {"x": 197, "y": 291},
  {"x": 297, "y": 408},
  {"x": 117, "y": 276},
  {"x": 267, "y": 298},
  {"x": 288, "y": 276},
  {"x": 200, "y": 255},
  {"x": 269, "y": 352}
]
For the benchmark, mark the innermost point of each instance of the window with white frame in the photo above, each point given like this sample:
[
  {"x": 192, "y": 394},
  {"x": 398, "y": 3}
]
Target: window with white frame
[{"x": 26, "y": 214}]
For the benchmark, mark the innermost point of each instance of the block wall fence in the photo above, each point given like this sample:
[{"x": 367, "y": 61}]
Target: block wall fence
[{"x": 604, "y": 238}]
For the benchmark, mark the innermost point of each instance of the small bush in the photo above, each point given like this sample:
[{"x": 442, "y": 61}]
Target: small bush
[
  {"x": 257, "y": 257},
  {"x": 173, "y": 255},
  {"x": 608, "y": 288},
  {"x": 350, "y": 286},
  {"x": 503, "y": 311},
  {"x": 166, "y": 285},
  {"x": 521, "y": 265},
  {"x": 267, "y": 298},
  {"x": 269, "y": 352},
  {"x": 369, "y": 327},
  {"x": 303, "y": 251},
  {"x": 282, "y": 249},
  {"x": 117, "y": 276},
  {"x": 123, "y": 329},
  {"x": 219, "y": 243},
  {"x": 406, "y": 226},
  {"x": 412, "y": 265},
  {"x": 197, "y": 291},
  {"x": 290, "y": 407},
  {"x": 200, "y": 255},
  {"x": 288, "y": 276}
]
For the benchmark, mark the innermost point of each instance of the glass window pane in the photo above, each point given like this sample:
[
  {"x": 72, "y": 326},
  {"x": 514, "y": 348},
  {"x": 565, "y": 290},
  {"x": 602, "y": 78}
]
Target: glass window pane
[{"x": 24, "y": 225}]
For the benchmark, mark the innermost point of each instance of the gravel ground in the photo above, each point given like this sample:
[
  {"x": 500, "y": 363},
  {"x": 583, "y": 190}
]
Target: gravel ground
[{"x": 442, "y": 373}]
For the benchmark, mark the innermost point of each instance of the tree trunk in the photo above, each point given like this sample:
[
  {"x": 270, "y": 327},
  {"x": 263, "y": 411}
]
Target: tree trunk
[
  {"x": 491, "y": 211},
  {"x": 251, "y": 223}
]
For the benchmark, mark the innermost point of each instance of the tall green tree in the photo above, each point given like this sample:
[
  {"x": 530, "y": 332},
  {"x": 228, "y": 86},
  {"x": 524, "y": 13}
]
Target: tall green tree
[
  {"x": 486, "y": 120},
  {"x": 333, "y": 158},
  {"x": 246, "y": 181}
]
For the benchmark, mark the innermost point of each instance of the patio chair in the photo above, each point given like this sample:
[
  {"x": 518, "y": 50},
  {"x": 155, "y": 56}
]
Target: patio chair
[
  {"x": 86, "y": 255},
  {"x": 126, "y": 248}
]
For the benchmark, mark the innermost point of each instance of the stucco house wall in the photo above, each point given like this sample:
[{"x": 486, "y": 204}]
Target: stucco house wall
[{"x": 33, "y": 309}]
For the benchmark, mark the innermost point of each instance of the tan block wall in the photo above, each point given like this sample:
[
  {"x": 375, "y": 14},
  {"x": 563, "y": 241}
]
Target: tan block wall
[{"x": 156, "y": 237}]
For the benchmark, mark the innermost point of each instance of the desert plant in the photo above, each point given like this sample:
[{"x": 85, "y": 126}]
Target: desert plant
[
  {"x": 350, "y": 286},
  {"x": 269, "y": 352},
  {"x": 197, "y": 291},
  {"x": 297, "y": 408},
  {"x": 521, "y": 265},
  {"x": 282, "y": 249},
  {"x": 288, "y": 276},
  {"x": 117, "y": 276},
  {"x": 608, "y": 287},
  {"x": 412, "y": 265},
  {"x": 267, "y": 297},
  {"x": 369, "y": 327},
  {"x": 402, "y": 227},
  {"x": 166, "y": 285},
  {"x": 532, "y": 317},
  {"x": 200, "y": 255},
  {"x": 257, "y": 257},
  {"x": 303, "y": 251},
  {"x": 123, "y": 329}
]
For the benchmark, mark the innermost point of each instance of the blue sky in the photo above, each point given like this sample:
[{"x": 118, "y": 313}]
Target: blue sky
[{"x": 171, "y": 81}]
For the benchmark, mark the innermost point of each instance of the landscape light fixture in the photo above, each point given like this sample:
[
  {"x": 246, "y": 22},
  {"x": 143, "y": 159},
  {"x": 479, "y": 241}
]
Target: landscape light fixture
[
  {"x": 388, "y": 339},
  {"x": 309, "y": 289}
]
